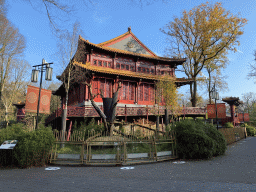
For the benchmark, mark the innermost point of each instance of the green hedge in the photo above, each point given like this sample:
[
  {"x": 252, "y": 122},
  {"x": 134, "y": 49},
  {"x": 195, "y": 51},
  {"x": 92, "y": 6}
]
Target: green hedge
[
  {"x": 32, "y": 148},
  {"x": 197, "y": 140},
  {"x": 251, "y": 131}
]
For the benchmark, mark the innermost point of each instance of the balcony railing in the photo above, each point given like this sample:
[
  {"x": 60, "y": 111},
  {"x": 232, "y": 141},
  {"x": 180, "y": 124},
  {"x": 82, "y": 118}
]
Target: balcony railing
[{"x": 89, "y": 111}]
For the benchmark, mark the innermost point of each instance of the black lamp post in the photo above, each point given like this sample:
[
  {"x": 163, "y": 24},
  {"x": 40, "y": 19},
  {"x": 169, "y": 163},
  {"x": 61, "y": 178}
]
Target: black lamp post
[
  {"x": 215, "y": 95},
  {"x": 34, "y": 78}
]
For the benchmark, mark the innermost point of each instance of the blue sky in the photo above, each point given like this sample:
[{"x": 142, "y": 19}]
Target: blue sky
[{"x": 107, "y": 19}]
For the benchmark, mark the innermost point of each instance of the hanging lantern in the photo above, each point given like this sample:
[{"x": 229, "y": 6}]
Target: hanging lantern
[
  {"x": 34, "y": 77},
  {"x": 48, "y": 73}
]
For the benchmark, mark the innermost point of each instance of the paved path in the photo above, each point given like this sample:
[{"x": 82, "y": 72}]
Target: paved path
[{"x": 235, "y": 171}]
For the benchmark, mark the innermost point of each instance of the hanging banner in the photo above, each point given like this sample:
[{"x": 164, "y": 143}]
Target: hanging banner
[
  {"x": 241, "y": 117},
  {"x": 211, "y": 111},
  {"x": 221, "y": 109},
  {"x": 246, "y": 117},
  {"x": 32, "y": 100}
]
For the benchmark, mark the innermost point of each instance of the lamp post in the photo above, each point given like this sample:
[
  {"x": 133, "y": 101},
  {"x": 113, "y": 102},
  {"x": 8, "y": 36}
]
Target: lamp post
[
  {"x": 215, "y": 95},
  {"x": 34, "y": 78}
]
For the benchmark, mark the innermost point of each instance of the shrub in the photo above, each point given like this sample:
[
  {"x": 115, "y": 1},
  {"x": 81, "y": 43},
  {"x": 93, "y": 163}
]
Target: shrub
[
  {"x": 229, "y": 125},
  {"x": 32, "y": 148},
  {"x": 195, "y": 139},
  {"x": 250, "y": 130},
  {"x": 88, "y": 127},
  {"x": 218, "y": 137}
]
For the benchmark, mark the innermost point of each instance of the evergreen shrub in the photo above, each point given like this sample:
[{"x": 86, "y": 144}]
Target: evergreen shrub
[
  {"x": 250, "y": 130},
  {"x": 32, "y": 148},
  {"x": 229, "y": 125},
  {"x": 197, "y": 140}
]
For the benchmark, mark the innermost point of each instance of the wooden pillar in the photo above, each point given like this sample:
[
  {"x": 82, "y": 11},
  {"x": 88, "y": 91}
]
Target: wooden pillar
[
  {"x": 156, "y": 63},
  {"x": 136, "y": 63},
  {"x": 114, "y": 61},
  {"x": 91, "y": 56}
]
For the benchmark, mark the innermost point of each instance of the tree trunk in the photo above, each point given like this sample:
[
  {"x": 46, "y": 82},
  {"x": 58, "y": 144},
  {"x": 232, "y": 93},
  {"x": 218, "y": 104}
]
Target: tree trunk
[
  {"x": 6, "y": 116},
  {"x": 166, "y": 118},
  {"x": 64, "y": 119},
  {"x": 209, "y": 88},
  {"x": 112, "y": 127},
  {"x": 157, "y": 125},
  {"x": 194, "y": 93}
]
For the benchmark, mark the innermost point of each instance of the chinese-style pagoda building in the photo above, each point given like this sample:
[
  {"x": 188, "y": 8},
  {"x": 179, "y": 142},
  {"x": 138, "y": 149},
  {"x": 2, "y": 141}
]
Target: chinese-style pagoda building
[{"x": 122, "y": 59}]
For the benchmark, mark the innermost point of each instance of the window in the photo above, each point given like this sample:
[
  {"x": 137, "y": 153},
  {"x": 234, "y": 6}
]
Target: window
[
  {"x": 94, "y": 62},
  {"x": 127, "y": 67},
  {"x": 108, "y": 89},
  {"x": 109, "y": 64},
  {"x": 125, "y": 91},
  {"x": 100, "y": 63},
  {"x": 146, "y": 92},
  {"x": 131, "y": 91},
  {"x": 128, "y": 91},
  {"x": 118, "y": 65},
  {"x": 122, "y": 66},
  {"x": 140, "y": 91},
  {"x": 143, "y": 70},
  {"x": 147, "y": 70},
  {"x": 139, "y": 69},
  {"x": 105, "y": 63},
  {"x": 132, "y": 68},
  {"x": 152, "y": 71}
]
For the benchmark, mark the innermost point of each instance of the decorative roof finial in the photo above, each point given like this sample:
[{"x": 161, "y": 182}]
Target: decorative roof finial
[{"x": 129, "y": 29}]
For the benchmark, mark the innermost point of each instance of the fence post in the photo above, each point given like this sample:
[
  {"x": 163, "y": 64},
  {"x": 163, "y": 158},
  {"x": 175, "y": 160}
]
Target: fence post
[{"x": 82, "y": 153}]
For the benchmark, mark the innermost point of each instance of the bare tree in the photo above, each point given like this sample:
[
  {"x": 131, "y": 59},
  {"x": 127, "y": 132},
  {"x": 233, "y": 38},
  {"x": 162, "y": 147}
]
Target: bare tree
[
  {"x": 249, "y": 99},
  {"x": 12, "y": 45},
  {"x": 67, "y": 45},
  {"x": 252, "y": 74},
  {"x": 108, "y": 115},
  {"x": 15, "y": 85},
  {"x": 214, "y": 69}
]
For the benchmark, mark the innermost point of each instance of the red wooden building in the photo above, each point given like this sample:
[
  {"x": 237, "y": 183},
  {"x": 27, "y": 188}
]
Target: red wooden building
[{"x": 124, "y": 58}]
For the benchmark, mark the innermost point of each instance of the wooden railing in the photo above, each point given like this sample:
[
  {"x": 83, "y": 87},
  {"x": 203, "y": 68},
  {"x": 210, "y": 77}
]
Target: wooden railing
[
  {"x": 99, "y": 148},
  {"x": 123, "y": 111}
]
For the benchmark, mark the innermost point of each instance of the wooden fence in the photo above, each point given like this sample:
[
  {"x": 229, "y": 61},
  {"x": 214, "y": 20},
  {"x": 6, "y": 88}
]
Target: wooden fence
[
  {"x": 233, "y": 134},
  {"x": 100, "y": 149}
]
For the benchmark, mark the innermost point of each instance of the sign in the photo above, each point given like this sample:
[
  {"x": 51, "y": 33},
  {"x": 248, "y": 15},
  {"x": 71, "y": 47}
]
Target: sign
[
  {"x": 246, "y": 117},
  {"x": 241, "y": 117},
  {"x": 8, "y": 144},
  {"x": 221, "y": 109},
  {"x": 32, "y": 100}
]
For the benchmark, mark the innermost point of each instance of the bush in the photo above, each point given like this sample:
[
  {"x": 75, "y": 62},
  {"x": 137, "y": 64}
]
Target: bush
[
  {"x": 88, "y": 127},
  {"x": 250, "y": 130},
  {"x": 218, "y": 137},
  {"x": 195, "y": 139},
  {"x": 32, "y": 148},
  {"x": 229, "y": 125}
]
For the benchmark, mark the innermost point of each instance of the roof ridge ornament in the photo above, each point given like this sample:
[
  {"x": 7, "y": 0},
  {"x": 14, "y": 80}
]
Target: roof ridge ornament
[{"x": 129, "y": 29}]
